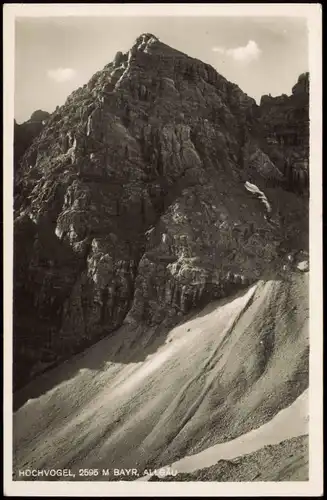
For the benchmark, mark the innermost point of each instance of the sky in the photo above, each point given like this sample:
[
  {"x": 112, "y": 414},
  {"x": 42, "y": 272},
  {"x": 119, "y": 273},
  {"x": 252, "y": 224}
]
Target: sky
[{"x": 55, "y": 56}]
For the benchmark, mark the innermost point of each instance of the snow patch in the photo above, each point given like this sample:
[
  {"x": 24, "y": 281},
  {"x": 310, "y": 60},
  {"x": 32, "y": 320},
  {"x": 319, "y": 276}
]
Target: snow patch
[
  {"x": 290, "y": 422},
  {"x": 252, "y": 188}
]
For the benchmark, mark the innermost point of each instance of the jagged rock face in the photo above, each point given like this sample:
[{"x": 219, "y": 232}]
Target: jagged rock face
[
  {"x": 285, "y": 121},
  {"x": 131, "y": 204}
]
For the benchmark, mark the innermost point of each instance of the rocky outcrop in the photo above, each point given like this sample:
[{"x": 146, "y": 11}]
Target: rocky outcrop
[
  {"x": 285, "y": 125},
  {"x": 26, "y": 132},
  {"x": 131, "y": 205}
]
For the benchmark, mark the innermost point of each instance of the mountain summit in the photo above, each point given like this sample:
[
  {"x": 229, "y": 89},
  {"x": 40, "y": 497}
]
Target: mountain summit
[{"x": 157, "y": 187}]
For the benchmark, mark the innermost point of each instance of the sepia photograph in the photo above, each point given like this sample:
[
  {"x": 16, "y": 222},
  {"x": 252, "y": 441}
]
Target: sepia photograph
[{"x": 163, "y": 269}]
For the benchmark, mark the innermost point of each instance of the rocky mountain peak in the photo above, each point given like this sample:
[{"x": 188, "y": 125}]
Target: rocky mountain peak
[
  {"x": 155, "y": 188},
  {"x": 285, "y": 124},
  {"x": 145, "y": 38},
  {"x": 39, "y": 116},
  {"x": 302, "y": 85}
]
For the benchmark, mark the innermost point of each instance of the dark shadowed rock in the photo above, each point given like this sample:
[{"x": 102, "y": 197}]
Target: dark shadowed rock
[
  {"x": 26, "y": 132},
  {"x": 39, "y": 116},
  {"x": 285, "y": 125},
  {"x": 130, "y": 203}
]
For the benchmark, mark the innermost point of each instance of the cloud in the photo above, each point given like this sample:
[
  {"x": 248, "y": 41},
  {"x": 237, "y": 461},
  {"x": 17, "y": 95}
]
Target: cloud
[
  {"x": 250, "y": 52},
  {"x": 221, "y": 50},
  {"x": 61, "y": 75}
]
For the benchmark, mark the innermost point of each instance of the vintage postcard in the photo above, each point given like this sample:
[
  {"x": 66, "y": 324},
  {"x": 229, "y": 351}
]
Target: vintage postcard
[{"x": 163, "y": 250}]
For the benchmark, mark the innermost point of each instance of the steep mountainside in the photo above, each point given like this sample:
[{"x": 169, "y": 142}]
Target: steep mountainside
[{"x": 131, "y": 203}]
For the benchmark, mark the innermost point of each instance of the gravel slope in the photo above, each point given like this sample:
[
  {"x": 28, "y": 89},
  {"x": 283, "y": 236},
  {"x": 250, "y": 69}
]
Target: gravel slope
[
  {"x": 286, "y": 461},
  {"x": 142, "y": 399}
]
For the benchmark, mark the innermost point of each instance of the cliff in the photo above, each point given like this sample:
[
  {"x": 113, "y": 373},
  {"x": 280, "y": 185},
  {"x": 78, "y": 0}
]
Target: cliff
[
  {"x": 131, "y": 202},
  {"x": 285, "y": 124}
]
